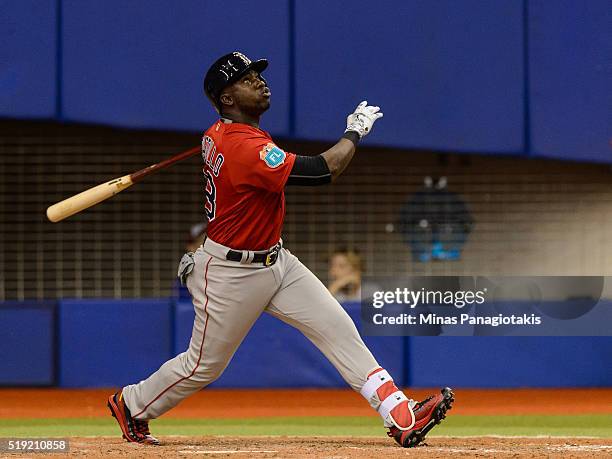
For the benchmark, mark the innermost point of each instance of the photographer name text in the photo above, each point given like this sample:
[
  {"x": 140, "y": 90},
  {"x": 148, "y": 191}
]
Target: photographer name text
[{"x": 462, "y": 319}]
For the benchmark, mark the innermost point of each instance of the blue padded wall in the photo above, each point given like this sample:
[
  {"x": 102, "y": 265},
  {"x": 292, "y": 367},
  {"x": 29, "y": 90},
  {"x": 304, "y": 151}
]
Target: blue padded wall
[
  {"x": 112, "y": 342},
  {"x": 448, "y": 75},
  {"x": 570, "y": 72},
  {"x": 275, "y": 354},
  {"x": 478, "y": 361},
  {"x": 28, "y": 58},
  {"x": 141, "y": 64},
  {"x": 27, "y": 343},
  {"x": 117, "y": 342}
]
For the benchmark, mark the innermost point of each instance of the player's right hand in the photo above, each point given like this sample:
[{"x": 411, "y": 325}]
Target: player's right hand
[{"x": 362, "y": 119}]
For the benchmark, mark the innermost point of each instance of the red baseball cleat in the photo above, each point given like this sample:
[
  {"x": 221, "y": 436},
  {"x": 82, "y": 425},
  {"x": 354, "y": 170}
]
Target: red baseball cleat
[
  {"x": 427, "y": 414},
  {"x": 134, "y": 430}
]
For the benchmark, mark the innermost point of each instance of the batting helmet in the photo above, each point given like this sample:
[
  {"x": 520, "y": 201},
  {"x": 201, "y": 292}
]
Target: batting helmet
[{"x": 227, "y": 70}]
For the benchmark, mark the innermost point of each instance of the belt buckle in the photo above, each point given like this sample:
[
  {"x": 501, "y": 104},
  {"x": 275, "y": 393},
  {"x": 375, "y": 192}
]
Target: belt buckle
[{"x": 271, "y": 257}]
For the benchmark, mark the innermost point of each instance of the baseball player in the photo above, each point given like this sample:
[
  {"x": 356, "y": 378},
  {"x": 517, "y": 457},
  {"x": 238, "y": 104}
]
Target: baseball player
[{"x": 243, "y": 270}]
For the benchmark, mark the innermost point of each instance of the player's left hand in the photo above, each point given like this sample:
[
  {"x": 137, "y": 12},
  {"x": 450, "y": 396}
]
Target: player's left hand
[{"x": 362, "y": 119}]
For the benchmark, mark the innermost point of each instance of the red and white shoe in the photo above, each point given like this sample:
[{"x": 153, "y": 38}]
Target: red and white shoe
[
  {"x": 427, "y": 414},
  {"x": 134, "y": 430},
  {"x": 408, "y": 421}
]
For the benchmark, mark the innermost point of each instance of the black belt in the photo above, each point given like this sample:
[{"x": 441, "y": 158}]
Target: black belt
[{"x": 266, "y": 258}]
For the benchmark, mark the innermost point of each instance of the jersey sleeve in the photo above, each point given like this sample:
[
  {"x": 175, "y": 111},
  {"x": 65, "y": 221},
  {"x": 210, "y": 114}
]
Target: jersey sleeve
[{"x": 260, "y": 163}]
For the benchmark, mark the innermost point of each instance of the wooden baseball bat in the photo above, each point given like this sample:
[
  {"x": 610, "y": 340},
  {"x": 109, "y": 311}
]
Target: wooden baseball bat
[{"x": 88, "y": 198}]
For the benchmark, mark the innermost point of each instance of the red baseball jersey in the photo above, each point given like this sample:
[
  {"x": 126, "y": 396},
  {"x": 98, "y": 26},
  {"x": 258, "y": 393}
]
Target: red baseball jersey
[{"x": 245, "y": 175}]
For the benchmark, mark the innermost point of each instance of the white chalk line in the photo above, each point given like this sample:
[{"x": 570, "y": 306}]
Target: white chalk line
[
  {"x": 579, "y": 447},
  {"x": 379, "y": 437},
  {"x": 468, "y": 450},
  {"x": 224, "y": 451},
  {"x": 559, "y": 448},
  {"x": 458, "y": 437}
]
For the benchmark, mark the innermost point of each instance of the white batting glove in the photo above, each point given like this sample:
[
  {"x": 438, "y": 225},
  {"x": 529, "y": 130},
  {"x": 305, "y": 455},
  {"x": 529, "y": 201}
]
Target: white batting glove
[{"x": 362, "y": 119}]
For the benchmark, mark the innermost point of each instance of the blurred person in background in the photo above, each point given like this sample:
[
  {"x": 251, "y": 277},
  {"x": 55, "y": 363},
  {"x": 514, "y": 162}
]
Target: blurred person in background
[
  {"x": 435, "y": 222},
  {"x": 345, "y": 283},
  {"x": 196, "y": 237},
  {"x": 345, "y": 276}
]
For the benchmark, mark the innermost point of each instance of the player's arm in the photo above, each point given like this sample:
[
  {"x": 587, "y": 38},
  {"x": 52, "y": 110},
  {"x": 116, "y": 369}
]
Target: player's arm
[{"x": 324, "y": 168}]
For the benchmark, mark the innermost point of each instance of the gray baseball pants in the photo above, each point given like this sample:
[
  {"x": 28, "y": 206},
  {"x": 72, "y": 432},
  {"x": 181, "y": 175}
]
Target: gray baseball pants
[{"x": 228, "y": 298}]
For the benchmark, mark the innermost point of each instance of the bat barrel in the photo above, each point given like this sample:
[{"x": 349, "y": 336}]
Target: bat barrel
[{"x": 87, "y": 198}]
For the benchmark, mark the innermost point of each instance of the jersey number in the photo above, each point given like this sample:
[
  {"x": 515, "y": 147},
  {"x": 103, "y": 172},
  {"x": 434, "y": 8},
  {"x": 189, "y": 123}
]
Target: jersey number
[{"x": 210, "y": 191}]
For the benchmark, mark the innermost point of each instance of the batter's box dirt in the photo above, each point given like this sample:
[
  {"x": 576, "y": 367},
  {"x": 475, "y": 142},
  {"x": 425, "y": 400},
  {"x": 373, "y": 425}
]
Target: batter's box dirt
[{"x": 336, "y": 448}]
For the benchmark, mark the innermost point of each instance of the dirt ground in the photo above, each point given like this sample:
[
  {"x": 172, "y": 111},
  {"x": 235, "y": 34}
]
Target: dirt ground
[{"x": 336, "y": 448}]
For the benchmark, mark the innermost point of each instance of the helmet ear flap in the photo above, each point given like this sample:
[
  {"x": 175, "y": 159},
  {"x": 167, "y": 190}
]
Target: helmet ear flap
[{"x": 209, "y": 92}]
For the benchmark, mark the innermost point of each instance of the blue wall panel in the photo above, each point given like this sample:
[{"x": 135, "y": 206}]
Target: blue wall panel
[
  {"x": 570, "y": 67},
  {"x": 141, "y": 64},
  {"x": 27, "y": 346},
  {"x": 116, "y": 342},
  {"x": 112, "y": 342},
  {"x": 510, "y": 361},
  {"x": 275, "y": 354},
  {"x": 447, "y": 74},
  {"x": 28, "y": 58}
]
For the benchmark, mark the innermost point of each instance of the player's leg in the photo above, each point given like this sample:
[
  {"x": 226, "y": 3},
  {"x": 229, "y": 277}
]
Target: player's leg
[
  {"x": 303, "y": 302},
  {"x": 228, "y": 298}
]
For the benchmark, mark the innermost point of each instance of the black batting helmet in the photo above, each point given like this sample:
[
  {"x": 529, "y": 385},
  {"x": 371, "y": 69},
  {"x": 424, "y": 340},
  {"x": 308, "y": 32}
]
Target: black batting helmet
[{"x": 227, "y": 70}]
